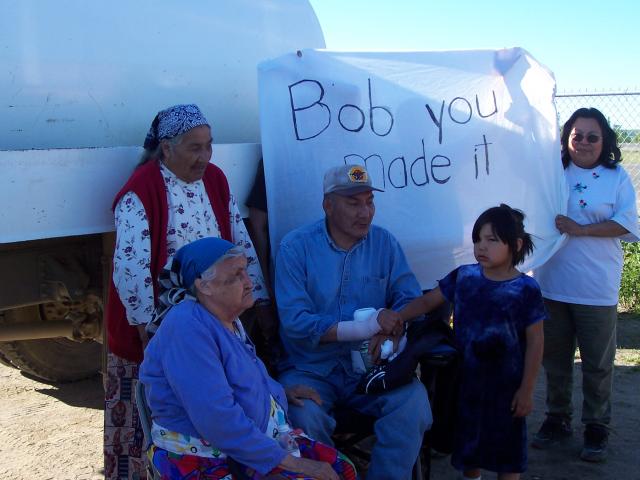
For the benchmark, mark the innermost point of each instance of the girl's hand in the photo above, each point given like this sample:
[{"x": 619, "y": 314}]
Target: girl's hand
[
  {"x": 310, "y": 468},
  {"x": 566, "y": 225},
  {"x": 522, "y": 403},
  {"x": 390, "y": 322}
]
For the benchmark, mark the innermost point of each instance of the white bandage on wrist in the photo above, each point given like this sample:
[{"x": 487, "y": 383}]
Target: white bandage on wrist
[{"x": 356, "y": 330}]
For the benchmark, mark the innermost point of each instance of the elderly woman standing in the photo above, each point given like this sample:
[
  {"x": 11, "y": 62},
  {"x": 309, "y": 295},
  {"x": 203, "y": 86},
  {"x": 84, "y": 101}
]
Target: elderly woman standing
[
  {"x": 174, "y": 196},
  {"x": 580, "y": 283},
  {"x": 210, "y": 396}
]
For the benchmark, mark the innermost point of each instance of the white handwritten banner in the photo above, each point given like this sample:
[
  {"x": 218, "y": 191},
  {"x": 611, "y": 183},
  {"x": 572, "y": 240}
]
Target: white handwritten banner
[{"x": 445, "y": 134}]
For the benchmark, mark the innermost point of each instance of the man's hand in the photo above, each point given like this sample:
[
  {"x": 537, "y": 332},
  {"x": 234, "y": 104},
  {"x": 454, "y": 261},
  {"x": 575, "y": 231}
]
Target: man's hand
[
  {"x": 390, "y": 322},
  {"x": 297, "y": 393},
  {"x": 310, "y": 468},
  {"x": 375, "y": 344}
]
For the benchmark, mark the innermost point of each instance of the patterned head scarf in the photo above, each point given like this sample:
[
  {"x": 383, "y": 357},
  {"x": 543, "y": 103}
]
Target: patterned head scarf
[
  {"x": 172, "y": 122},
  {"x": 181, "y": 272}
]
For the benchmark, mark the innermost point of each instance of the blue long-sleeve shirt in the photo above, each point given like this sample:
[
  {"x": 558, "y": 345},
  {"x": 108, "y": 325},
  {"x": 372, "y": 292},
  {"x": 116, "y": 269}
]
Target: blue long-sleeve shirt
[
  {"x": 202, "y": 380},
  {"x": 318, "y": 284}
]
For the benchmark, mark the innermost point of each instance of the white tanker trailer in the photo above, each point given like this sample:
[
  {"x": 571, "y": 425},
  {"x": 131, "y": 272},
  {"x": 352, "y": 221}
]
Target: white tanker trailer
[{"x": 80, "y": 83}]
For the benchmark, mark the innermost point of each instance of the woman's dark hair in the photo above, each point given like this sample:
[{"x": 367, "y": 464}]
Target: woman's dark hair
[
  {"x": 610, "y": 155},
  {"x": 508, "y": 225}
]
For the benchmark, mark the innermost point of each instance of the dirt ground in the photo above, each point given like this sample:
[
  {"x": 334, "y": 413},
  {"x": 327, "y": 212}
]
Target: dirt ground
[
  {"x": 55, "y": 431},
  {"x": 50, "y": 431},
  {"x": 563, "y": 463}
]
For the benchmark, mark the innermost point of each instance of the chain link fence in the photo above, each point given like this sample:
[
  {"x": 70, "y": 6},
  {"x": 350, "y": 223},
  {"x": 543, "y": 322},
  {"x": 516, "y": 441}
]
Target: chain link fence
[{"x": 622, "y": 109}]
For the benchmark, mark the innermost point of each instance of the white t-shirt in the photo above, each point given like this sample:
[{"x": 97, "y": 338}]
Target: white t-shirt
[{"x": 587, "y": 270}]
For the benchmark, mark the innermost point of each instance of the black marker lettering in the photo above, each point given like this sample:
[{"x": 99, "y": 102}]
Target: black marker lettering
[
  {"x": 403, "y": 172},
  {"x": 484, "y": 144},
  {"x": 357, "y": 129},
  {"x": 295, "y": 109},
  {"x": 446, "y": 163},
  {"x": 385, "y": 109},
  {"x": 495, "y": 106},
  {"x": 461, "y": 122},
  {"x": 424, "y": 169},
  {"x": 437, "y": 121}
]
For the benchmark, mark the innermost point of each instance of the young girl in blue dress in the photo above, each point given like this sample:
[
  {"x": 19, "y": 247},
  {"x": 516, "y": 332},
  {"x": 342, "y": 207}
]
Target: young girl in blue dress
[{"x": 498, "y": 314}]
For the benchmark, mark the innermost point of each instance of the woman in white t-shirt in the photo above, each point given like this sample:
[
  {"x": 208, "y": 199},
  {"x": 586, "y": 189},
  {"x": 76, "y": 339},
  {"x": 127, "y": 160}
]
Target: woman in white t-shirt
[{"x": 580, "y": 282}]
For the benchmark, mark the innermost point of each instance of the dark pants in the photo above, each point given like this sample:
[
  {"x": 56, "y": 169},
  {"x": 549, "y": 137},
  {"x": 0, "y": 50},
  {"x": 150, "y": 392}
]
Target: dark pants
[{"x": 593, "y": 330}]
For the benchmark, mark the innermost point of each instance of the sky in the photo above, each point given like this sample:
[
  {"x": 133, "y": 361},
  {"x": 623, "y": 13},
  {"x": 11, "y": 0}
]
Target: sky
[{"x": 589, "y": 45}]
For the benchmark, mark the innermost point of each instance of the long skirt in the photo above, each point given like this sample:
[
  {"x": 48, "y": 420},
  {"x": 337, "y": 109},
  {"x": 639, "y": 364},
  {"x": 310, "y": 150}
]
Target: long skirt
[
  {"x": 172, "y": 466},
  {"x": 123, "y": 434}
]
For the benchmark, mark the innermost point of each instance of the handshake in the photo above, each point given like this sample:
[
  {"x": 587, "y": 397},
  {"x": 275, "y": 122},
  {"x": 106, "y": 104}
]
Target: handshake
[
  {"x": 390, "y": 322},
  {"x": 390, "y": 338},
  {"x": 368, "y": 322},
  {"x": 382, "y": 327}
]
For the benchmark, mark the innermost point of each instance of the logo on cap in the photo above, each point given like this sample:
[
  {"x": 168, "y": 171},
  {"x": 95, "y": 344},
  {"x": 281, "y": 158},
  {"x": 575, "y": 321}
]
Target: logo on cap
[{"x": 358, "y": 175}]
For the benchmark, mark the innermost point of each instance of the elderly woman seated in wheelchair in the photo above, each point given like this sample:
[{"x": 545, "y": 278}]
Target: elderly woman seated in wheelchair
[{"x": 216, "y": 413}]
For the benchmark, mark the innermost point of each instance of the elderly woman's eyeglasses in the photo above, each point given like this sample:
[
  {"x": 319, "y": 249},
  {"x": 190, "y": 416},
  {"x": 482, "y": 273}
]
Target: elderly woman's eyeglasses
[{"x": 591, "y": 138}]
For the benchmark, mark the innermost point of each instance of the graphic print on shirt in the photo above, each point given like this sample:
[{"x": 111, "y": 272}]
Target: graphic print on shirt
[{"x": 579, "y": 187}]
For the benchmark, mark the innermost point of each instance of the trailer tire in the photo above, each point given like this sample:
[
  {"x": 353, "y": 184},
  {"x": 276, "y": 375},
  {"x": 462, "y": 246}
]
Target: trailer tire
[{"x": 56, "y": 360}]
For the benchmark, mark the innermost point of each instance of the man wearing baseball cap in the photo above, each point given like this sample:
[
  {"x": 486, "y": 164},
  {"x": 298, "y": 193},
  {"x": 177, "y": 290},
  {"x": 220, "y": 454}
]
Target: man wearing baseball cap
[{"x": 326, "y": 271}]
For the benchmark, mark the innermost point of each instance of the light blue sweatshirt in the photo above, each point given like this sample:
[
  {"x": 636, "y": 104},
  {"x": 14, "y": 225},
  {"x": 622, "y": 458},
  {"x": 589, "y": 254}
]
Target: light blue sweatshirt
[{"x": 202, "y": 380}]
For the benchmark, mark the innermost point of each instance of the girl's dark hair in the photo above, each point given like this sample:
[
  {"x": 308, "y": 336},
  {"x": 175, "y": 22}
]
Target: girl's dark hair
[
  {"x": 610, "y": 155},
  {"x": 508, "y": 225}
]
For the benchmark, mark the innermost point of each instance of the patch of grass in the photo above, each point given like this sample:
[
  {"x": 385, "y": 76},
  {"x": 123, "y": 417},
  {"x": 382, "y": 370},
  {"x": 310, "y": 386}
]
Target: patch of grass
[
  {"x": 628, "y": 357},
  {"x": 629, "y": 286}
]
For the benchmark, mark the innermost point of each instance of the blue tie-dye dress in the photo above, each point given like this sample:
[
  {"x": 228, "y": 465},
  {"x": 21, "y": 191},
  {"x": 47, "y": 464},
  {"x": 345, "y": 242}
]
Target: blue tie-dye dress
[{"x": 490, "y": 319}]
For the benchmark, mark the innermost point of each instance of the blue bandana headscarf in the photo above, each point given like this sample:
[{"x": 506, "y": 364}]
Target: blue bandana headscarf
[
  {"x": 196, "y": 257},
  {"x": 172, "y": 122},
  {"x": 189, "y": 262}
]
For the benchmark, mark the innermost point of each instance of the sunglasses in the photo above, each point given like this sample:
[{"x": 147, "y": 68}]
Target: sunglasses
[{"x": 591, "y": 138}]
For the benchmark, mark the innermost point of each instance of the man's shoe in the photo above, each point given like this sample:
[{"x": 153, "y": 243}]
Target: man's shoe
[
  {"x": 553, "y": 431},
  {"x": 596, "y": 438}
]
